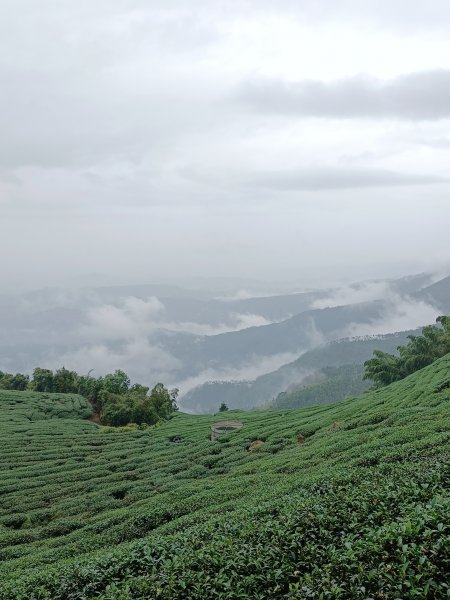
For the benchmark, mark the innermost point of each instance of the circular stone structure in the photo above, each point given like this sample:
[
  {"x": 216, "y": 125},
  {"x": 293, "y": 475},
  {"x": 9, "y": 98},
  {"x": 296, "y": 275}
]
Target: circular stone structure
[{"x": 222, "y": 427}]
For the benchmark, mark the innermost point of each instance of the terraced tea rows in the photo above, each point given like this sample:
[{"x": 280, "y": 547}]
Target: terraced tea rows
[
  {"x": 313, "y": 510},
  {"x": 34, "y": 406}
]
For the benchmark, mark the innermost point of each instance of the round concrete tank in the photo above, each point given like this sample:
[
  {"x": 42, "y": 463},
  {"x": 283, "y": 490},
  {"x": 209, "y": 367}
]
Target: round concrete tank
[{"x": 223, "y": 427}]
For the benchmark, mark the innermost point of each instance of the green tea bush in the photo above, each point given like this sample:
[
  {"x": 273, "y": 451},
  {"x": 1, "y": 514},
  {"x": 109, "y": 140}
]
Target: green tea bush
[{"x": 359, "y": 508}]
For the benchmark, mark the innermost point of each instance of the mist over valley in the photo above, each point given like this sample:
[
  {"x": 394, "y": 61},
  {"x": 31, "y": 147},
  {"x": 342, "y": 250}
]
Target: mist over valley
[{"x": 191, "y": 338}]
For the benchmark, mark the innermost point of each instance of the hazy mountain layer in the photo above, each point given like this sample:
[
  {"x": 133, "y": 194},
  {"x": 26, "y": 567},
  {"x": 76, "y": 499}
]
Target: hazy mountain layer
[
  {"x": 247, "y": 394},
  {"x": 186, "y": 337}
]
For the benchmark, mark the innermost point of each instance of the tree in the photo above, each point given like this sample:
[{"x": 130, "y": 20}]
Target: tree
[
  {"x": 136, "y": 406},
  {"x": 19, "y": 382},
  {"x": 112, "y": 397},
  {"x": 117, "y": 413},
  {"x": 143, "y": 411},
  {"x": 223, "y": 407},
  {"x": 420, "y": 351},
  {"x": 139, "y": 390},
  {"x": 42, "y": 380},
  {"x": 90, "y": 388},
  {"x": 164, "y": 400},
  {"x": 116, "y": 383},
  {"x": 8, "y": 381},
  {"x": 65, "y": 381},
  {"x": 383, "y": 368}
]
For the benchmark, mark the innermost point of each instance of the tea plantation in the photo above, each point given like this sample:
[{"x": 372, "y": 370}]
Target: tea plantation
[{"x": 348, "y": 500}]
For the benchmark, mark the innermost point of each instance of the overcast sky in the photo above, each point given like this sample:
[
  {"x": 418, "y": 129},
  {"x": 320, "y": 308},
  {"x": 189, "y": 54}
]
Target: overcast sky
[{"x": 142, "y": 140}]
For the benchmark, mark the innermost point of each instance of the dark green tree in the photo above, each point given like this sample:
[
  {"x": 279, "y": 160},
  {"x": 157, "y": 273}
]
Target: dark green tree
[
  {"x": 143, "y": 411},
  {"x": 116, "y": 383},
  {"x": 65, "y": 381},
  {"x": 383, "y": 368},
  {"x": 139, "y": 390},
  {"x": 43, "y": 380},
  {"x": 136, "y": 406},
  {"x": 117, "y": 412},
  {"x": 164, "y": 400},
  {"x": 90, "y": 388},
  {"x": 419, "y": 352},
  {"x": 113, "y": 398},
  {"x": 8, "y": 381}
]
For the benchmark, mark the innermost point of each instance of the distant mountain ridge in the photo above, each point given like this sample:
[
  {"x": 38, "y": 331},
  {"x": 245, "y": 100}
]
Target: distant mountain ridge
[
  {"x": 249, "y": 394},
  {"x": 190, "y": 335},
  {"x": 437, "y": 293}
]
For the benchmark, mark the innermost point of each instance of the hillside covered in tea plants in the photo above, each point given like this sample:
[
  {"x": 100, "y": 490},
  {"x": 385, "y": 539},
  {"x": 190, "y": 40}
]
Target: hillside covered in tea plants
[{"x": 348, "y": 500}]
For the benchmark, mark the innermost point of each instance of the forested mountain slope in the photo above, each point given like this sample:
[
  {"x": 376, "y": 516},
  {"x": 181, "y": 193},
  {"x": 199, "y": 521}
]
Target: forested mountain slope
[
  {"x": 299, "y": 333},
  {"x": 248, "y": 394},
  {"x": 332, "y": 385},
  {"x": 339, "y": 501}
]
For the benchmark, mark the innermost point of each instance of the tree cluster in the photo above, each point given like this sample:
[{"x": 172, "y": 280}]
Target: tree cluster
[
  {"x": 419, "y": 352},
  {"x": 19, "y": 382},
  {"x": 112, "y": 396},
  {"x": 138, "y": 405}
]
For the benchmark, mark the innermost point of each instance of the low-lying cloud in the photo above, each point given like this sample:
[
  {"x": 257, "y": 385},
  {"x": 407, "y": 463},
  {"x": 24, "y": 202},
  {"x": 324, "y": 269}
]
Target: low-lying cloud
[
  {"x": 83, "y": 331},
  {"x": 129, "y": 335},
  {"x": 400, "y": 314},
  {"x": 136, "y": 317},
  {"x": 252, "y": 369},
  {"x": 143, "y": 361},
  {"x": 353, "y": 294}
]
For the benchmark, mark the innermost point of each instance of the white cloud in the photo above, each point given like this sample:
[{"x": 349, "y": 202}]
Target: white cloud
[
  {"x": 142, "y": 361},
  {"x": 248, "y": 371},
  {"x": 236, "y": 322},
  {"x": 400, "y": 314},
  {"x": 135, "y": 318},
  {"x": 352, "y": 294},
  {"x": 140, "y": 318},
  {"x": 127, "y": 335}
]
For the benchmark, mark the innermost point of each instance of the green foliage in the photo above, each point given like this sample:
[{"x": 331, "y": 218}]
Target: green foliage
[
  {"x": 223, "y": 407},
  {"x": 65, "y": 381},
  {"x": 90, "y": 388},
  {"x": 121, "y": 410},
  {"x": 135, "y": 406},
  {"x": 112, "y": 397},
  {"x": 116, "y": 383},
  {"x": 348, "y": 500},
  {"x": 42, "y": 381},
  {"x": 8, "y": 381},
  {"x": 419, "y": 352},
  {"x": 163, "y": 400}
]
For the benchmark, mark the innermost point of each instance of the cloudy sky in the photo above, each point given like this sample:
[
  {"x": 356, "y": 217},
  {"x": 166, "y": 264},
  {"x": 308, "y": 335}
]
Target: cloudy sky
[{"x": 147, "y": 140}]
